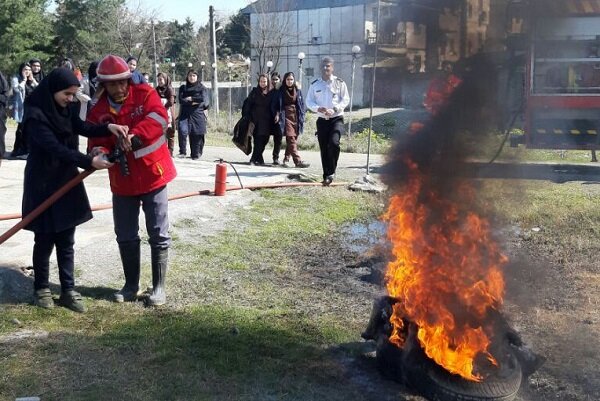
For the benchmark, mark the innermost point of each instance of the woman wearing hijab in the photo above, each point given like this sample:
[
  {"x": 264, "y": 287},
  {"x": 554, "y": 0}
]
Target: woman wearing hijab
[
  {"x": 23, "y": 85},
  {"x": 193, "y": 101},
  {"x": 167, "y": 98},
  {"x": 288, "y": 109},
  {"x": 53, "y": 161},
  {"x": 259, "y": 109},
  {"x": 87, "y": 91}
]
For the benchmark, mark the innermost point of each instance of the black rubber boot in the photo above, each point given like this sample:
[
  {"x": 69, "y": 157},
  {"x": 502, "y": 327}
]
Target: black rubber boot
[
  {"x": 160, "y": 259},
  {"x": 130, "y": 257}
]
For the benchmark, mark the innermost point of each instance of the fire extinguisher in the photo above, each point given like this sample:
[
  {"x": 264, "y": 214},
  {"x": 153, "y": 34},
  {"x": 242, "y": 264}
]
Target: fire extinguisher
[{"x": 220, "y": 178}]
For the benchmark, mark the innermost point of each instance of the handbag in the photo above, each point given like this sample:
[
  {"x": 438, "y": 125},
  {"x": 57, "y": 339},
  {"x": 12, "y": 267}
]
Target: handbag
[{"x": 242, "y": 135}]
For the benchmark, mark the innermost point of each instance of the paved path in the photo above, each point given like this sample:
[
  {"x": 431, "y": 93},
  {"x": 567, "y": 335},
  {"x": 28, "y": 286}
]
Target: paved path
[{"x": 192, "y": 176}]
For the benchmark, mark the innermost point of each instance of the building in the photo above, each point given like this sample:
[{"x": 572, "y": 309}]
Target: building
[{"x": 415, "y": 37}]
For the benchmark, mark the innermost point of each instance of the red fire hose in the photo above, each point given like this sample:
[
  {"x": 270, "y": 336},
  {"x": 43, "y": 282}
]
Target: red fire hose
[
  {"x": 76, "y": 180},
  {"x": 45, "y": 205}
]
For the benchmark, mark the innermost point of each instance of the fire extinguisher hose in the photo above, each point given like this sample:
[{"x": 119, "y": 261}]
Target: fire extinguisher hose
[
  {"x": 76, "y": 180},
  {"x": 45, "y": 205}
]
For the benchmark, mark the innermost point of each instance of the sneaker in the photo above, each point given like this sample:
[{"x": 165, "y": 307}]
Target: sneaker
[
  {"x": 275, "y": 162},
  {"x": 302, "y": 165},
  {"x": 23, "y": 156},
  {"x": 328, "y": 180},
  {"x": 181, "y": 156},
  {"x": 72, "y": 300},
  {"x": 43, "y": 298}
]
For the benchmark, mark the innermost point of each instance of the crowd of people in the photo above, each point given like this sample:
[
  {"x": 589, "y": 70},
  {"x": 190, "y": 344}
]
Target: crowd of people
[{"x": 130, "y": 126}]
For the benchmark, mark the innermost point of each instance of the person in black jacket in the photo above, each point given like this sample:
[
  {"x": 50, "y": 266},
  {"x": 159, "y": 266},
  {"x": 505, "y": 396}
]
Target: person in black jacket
[
  {"x": 53, "y": 160},
  {"x": 193, "y": 101},
  {"x": 258, "y": 108},
  {"x": 4, "y": 90}
]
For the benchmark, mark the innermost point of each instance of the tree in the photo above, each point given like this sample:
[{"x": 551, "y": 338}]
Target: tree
[
  {"x": 80, "y": 34},
  {"x": 270, "y": 30},
  {"x": 236, "y": 36},
  {"x": 29, "y": 35}
]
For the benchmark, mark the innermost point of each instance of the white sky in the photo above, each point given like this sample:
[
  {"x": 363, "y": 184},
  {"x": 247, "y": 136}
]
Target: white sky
[{"x": 197, "y": 10}]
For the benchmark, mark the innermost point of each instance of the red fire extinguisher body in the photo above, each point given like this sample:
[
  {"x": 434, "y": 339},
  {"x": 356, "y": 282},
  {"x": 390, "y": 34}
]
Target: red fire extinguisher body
[{"x": 220, "y": 179}]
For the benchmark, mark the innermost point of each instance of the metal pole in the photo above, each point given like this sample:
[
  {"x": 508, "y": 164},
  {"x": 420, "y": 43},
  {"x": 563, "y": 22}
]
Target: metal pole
[
  {"x": 300, "y": 72},
  {"x": 229, "y": 74},
  {"x": 155, "y": 69},
  {"x": 351, "y": 96},
  {"x": 215, "y": 81},
  {"x": 373, "y": 83}
]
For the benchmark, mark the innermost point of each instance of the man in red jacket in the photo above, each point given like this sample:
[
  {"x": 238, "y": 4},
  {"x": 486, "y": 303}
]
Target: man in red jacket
[{"x": 150, "y": 169}]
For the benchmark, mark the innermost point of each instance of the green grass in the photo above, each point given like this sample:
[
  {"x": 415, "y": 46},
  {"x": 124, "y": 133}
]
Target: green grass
[{"x": 244, "y": 323}]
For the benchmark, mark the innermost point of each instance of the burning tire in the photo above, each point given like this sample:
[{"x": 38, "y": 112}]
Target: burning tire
[{"x": 424, "y": 376}]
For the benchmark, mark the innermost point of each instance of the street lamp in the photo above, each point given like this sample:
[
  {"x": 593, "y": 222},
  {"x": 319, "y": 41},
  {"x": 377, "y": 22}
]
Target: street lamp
[
  {"x": 301, "y": 57},
  {"x": 229, "y": 66},
  {"x": 248, "y": 63},
  {"x": 202, "y": 64},
  {"x": 190, "y": 65},
  {"x": 269, "y": 66},
  {"x": 173, "y": 67},
  {"x": 215, "y": 90},
  {"x": 355, "y": 52}
]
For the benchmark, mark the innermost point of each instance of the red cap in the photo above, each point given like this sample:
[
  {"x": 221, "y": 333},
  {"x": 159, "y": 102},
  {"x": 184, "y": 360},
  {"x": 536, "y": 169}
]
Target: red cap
[{"x": 112, "y": 68}]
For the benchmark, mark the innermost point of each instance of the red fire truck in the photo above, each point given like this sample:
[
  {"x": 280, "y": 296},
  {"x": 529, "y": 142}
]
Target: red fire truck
[{"x": 562, "y": 78}]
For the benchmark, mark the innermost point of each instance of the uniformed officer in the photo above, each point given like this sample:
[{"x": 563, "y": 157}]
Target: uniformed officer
[{"x": 328, "y": 97}]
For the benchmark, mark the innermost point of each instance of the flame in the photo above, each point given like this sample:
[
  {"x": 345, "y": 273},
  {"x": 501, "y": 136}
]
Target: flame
[{"x": 446, "y": 274}]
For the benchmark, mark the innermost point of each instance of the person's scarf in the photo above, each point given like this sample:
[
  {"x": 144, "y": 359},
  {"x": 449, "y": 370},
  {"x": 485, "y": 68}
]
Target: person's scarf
[
  {"x": 166, "y": 91},
  {"x": 191, "y": 90},
  {"x": 290, "y": 95},
  {"x": 42, "y": 107}
]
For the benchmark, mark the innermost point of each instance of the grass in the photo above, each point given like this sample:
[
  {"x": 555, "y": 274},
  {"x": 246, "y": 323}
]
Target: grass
[{"x": 245, "y": 322}]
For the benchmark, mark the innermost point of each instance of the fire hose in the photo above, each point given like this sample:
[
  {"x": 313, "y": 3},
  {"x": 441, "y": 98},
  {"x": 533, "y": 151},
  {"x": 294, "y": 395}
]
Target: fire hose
[{"x": 81, "y": 176}]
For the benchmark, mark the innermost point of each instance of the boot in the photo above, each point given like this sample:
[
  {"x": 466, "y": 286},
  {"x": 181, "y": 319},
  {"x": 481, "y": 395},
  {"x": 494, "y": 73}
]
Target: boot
[
  {"x": 160, "y": 258},
  {"x": 130, "y": 257}
]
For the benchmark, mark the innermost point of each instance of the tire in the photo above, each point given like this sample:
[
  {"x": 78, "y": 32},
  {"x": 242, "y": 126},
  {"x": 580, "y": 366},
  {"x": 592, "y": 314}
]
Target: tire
[
  {"x": 424, "y": 376},
  {"x": 437, "y": 384}
]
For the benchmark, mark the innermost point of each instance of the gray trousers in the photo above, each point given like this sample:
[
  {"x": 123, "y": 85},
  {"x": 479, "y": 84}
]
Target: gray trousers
[{"x": 126, "y": 212}]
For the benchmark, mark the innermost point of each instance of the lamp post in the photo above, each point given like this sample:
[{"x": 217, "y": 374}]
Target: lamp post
[
  {"x": 215, "y": 90},
  {"x": 229, "y": 66},
  {"x": 202, "y": 64},
  {"x": 248, "y": 63},
  {"x": 190, "y": 65},
  {"x": 269, "y": 66},
  {"x": 301, "y": 56},
  {"x": 355, "y": 52},
  {"x": 173, "y": 67}
]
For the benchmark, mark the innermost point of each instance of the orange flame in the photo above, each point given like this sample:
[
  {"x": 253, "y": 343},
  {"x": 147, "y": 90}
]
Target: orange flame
[{"x": 445, "y": 274}]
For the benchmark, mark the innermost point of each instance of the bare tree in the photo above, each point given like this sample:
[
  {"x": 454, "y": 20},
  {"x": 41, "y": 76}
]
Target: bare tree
[{"x": 270, "y": 30}]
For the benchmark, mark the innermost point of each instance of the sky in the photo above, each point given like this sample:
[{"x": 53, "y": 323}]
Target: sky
[{"x": 197, "y": 10}]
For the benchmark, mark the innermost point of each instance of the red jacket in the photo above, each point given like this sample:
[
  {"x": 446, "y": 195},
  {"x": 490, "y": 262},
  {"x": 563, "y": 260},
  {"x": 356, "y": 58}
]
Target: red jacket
[{"x": 151, "y": 167}]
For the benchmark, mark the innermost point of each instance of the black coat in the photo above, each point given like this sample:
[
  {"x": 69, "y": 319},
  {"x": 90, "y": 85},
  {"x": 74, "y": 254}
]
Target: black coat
[
  {"x": 52, "y": 162},
  {"x": 192, "y": 119},
  {"x": 258, "y": 108}
]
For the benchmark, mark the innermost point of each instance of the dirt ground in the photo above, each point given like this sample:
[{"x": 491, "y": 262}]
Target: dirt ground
[
  {"x": 553, "y": 303},
  {"x": 553, "y": 307}
]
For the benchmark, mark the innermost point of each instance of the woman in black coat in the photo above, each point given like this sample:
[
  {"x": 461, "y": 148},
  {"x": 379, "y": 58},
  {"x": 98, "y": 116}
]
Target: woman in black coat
[
  {"x": 52, "y": 128},
  {"x": 193, "y": 101},
  {"x": 258, "y": 108}
]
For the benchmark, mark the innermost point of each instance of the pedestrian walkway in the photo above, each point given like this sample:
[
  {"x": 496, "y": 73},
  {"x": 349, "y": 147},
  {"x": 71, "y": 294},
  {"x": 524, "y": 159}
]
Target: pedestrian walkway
[{"x": 193, "y": 175}]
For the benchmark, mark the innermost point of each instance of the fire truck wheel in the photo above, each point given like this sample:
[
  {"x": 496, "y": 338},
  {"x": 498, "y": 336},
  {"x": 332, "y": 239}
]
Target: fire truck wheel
[{"x": 437, "y": 384}]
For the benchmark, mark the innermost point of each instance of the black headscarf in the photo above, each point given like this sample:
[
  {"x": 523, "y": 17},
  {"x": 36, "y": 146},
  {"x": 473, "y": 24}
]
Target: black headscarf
[
  {"x": 40, "y": 75},
  {"x": 92, "y": 74},
  {"x": 41, "y": 105}
]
